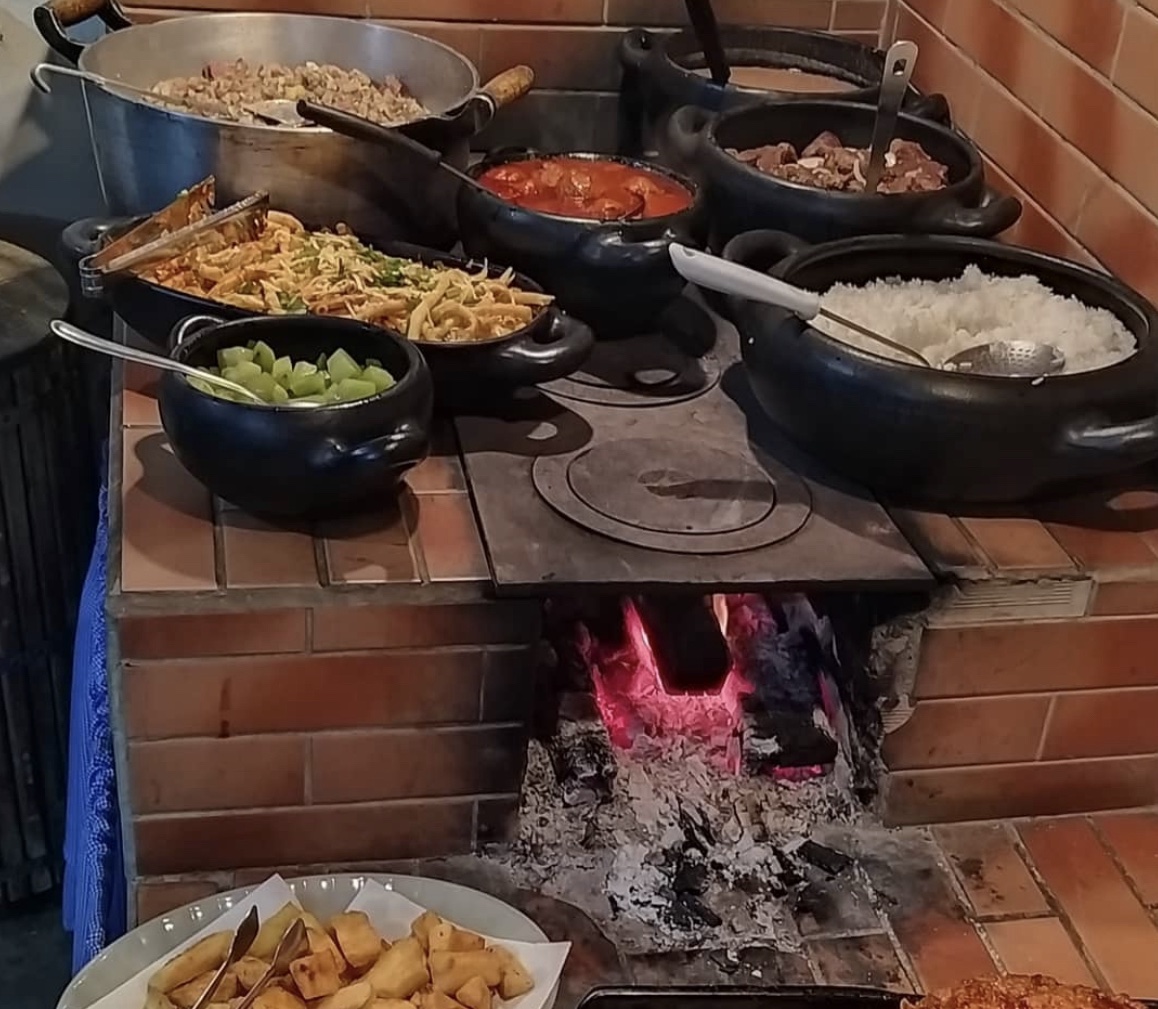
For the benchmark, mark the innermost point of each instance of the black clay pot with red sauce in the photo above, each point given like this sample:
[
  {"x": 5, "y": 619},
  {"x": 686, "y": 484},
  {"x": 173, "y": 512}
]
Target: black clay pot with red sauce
[
  {"x": 660, "y": 76},
  {"x": 920, "y": 435},
  {"x": 742, "y": 198},
  {"x": 616, "y": 276},
  {"x": 299, "y": 463}
]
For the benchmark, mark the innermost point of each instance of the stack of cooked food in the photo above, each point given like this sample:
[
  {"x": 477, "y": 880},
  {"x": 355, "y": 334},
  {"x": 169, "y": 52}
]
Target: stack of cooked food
[
  {"x": 827, "y": 163},
  {"x": 1021, "y": 991},
  {"x": 288, "y": 269},
  {"x": 346, "y": 964},
  {"x": 231, "y": 89}
]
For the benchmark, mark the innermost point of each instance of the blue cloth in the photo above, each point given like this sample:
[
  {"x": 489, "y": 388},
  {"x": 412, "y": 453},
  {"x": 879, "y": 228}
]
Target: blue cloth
[{"x": 94, "y": 872}]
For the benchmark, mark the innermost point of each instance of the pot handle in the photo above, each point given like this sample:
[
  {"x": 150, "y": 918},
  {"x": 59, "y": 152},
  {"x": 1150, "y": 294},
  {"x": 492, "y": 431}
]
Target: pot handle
[
  {"x": 86, "y": 237},
  {"x": 634, "y": 48},
  {"x": 1135, "y": 441},
  {"x": 565, "y": 346},
  {"x": 190, "y": 326},
  {"x": 477, "y": 111},
  {"x": 407, "y": 445},
  {"x": 55, "y": 17},
  {"x": 933, "y": 107},
  {"x": 685, "y": 130},
  {"x": 761, "y": 250},
  {"x": 992, "y": 215}
]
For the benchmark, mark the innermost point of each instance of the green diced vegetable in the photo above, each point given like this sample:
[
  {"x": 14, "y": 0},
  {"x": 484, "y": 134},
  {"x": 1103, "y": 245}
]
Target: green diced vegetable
[
  {"x": 282, "y": 369},
  {"x": 230, "y": 356},
  {"x": 350, "y": 389},
  {"x": 341, "y": 366},
  {"x": 263, "y": 354},
  {"x": 381, "y": 378},
  {"x": 307, "y": 385},
  {"x": 241, "y": 372},
  {"x": 337, "y": 378}
]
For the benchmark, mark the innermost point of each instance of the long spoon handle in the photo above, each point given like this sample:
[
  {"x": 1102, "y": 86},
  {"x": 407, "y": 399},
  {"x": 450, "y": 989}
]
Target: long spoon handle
[
  {"x": 899, "y": 62},
  {"x": 69, "y": 332}
]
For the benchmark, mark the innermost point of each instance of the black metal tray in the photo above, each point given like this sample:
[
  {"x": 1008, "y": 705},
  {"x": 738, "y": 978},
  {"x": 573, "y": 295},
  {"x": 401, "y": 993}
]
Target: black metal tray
[{"x": 745, "y": 997}]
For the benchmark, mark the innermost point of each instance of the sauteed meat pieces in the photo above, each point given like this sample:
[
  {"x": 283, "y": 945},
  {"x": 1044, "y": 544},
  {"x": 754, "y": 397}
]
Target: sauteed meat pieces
[
  {"x": 229, "y": 89},
  {"x": 827, "y": 163},
  {"x": 1026, "y": 991}
]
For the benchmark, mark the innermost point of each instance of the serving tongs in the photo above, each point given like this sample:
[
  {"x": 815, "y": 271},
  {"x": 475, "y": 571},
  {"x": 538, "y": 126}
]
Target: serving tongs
[
  {"x": 242, "y": 939},
  {"x": 186, "y": 222}
]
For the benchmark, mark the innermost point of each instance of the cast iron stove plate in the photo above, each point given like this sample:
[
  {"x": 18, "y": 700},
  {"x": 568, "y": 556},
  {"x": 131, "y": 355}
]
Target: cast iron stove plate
[
  {"x": 645, "y": 370},
  {"x": 680, "y": 497}
]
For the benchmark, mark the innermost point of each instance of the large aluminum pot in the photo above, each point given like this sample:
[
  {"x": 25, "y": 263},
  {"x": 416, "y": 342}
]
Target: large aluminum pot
[{"x": 146, "y": 154}]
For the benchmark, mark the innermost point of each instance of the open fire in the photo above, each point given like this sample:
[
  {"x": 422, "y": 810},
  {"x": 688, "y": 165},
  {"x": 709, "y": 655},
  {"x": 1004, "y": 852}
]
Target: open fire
[{"x": 767, "y": 707}]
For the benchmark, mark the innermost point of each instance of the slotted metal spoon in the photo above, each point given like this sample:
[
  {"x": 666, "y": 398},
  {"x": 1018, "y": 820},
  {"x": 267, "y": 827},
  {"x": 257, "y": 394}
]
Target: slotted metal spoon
[{"x": 1016, "y": 359}]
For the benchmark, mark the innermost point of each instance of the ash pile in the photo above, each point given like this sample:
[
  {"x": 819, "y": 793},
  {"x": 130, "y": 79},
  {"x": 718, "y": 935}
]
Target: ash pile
[{"x": 682, "y": 841}]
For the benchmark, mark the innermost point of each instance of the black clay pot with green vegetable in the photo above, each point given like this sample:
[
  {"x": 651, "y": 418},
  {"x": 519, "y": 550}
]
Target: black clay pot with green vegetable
[{"x": 299, "y": 462}]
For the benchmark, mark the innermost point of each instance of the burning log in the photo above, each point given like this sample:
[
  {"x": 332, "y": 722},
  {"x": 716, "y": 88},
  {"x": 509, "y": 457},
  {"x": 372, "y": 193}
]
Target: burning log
[
  {"x": 687, "y": 642},
  {"x": 580, "y": 752},
  {"x": 785, "y": 737}
]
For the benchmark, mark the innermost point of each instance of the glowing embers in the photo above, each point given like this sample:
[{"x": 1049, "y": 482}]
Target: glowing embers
[{"x": 771, "y": 712}]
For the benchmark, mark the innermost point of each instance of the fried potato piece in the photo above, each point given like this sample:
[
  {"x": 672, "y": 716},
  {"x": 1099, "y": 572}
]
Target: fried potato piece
[
  {"x": 320, "y": 941},
  {"x": 450, "y": 971},
  {"x": 315, "y": 975},
  {"x": 271, "y": 931},
  {"x": 278, "y": 998},
  {"x": 516, "y": 979},
  {"x": 185, "y": 996},
  {"x": 447, "y": 937},
  {"x": 157, "y": 1000},
  {"x": 357, "y": 939},
  {"x": 390, "y": 1003},
  {"x": 421, "y": 926},
  {"x": 475, "y": 994},
  {"x": 353, "y": 996},
  {"x": 434, "y": 999},
  {"x": 248, "y": 971},
  {"x": 400, "y": 971},
  {"x": 206, "y": 955}
]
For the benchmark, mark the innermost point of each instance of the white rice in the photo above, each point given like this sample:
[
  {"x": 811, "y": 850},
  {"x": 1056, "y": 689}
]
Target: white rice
[{"x": 943, "y": 317}]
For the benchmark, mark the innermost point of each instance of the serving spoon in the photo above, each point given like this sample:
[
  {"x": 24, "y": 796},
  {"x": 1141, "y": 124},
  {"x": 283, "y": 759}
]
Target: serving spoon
[
  {"x": 69, "y": 332},
  {"x": 899, "y": 63},
  {"x": 998, "y": 359}
]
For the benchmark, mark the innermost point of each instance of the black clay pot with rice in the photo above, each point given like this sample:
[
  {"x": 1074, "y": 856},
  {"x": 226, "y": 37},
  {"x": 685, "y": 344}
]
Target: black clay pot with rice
[
  {"x": 615, "y": 275},
  {"x": 742, "y": 198},
  {"x": 781, "y": 64},
  {"x": 299, "y": 463},
  {"x": 918, "y": 435}
]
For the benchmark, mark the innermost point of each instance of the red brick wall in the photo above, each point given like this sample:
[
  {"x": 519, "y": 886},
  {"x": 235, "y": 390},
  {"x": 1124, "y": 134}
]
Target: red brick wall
[
  {"x": 1062, "y": 96},
  {"x": 336, "y": 736},
  {"x": 570, "y": 43}
]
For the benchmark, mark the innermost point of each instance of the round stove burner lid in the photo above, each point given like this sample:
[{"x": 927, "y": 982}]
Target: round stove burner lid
[{"x": 672, "y": 487}]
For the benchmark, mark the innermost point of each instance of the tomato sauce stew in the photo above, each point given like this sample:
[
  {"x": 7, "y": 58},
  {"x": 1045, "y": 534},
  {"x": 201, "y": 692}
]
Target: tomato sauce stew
[{"x": 593, "y": 189}]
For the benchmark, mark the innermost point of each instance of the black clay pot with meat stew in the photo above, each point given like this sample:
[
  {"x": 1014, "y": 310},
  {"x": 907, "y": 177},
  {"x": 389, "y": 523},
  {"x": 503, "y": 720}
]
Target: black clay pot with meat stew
[
  {"x": 662, "y": 73},
  {"x": 305, "y": 462},
  {"x": 920, "y": 435},
  {"x": 614, "y": 274},
  {"x": 741, "y": 197}
]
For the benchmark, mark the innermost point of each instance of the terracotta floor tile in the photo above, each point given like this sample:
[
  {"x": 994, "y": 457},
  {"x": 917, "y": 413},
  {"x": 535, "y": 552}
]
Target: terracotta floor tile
[
  {"x": 166, "y": 518},
  {"x": 1134, "y": 840},
  {"x": 990, "y": 870},
  {"x": 1113, "y": 926},
  {"x": 447, "y": 534},
  {"x": 369, "y": 550},
  {"x": 1039, "y": 946},
  {"x": 944, "y": 950},
  {"x": 868, "y": 960},
  {"x": 258, "y": 554},
  {"x": 1018, "y": 544}
]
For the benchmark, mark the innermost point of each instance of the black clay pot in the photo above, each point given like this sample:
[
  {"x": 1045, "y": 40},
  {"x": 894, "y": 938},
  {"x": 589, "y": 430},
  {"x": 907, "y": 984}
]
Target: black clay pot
[
  {"x": 660, "y": 76},
  {"x": 614, "y": 275},
  {"x": 297, "y": 463},
  {"x": 742, "y": 198},
  {"x": 920, "y": 435}
]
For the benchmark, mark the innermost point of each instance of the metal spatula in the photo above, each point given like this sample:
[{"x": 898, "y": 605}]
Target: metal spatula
[{"x": 899, "y": 62}]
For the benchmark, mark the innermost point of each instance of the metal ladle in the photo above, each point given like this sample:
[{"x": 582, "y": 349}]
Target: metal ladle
[
  {"x": 69, "y": 332},
  {"x": 1000, "y": 359}
]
